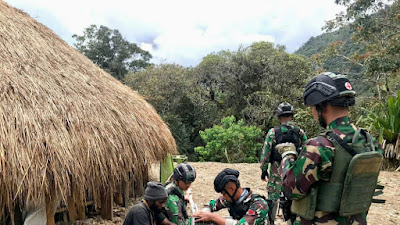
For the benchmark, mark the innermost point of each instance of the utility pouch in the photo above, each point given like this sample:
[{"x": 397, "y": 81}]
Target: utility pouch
[{"x": 305, "y": 207}]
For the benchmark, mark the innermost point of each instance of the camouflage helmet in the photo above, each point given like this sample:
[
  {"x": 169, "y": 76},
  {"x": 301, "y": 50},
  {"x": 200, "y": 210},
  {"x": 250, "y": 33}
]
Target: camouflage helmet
[
  {"x": 332, "y": 88},
  {"x": 185, "y": 173},
  {"x": 224, "y": 177},
  {"x": 284, "y": 109}
]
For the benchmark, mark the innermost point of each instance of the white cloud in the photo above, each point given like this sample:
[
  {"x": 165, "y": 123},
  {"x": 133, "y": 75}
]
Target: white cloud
[{"x": 183, "y": 31}]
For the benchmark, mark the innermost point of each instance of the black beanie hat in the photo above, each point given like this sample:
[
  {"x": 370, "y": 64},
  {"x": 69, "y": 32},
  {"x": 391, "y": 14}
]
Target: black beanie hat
[{"x": 155, "y": 191}]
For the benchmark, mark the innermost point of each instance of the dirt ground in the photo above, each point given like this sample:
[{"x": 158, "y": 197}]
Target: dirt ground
[{"x": 387, "y": 213}]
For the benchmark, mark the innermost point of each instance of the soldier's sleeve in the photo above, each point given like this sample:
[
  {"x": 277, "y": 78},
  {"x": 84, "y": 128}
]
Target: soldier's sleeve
[
  {"x": 303, "y": 137},
  {"x": 313, "y": 164},
  {"x": 266, "y": 150},
  {"x": 256, "y": 214},
  {"x": 217, "y": 204}
]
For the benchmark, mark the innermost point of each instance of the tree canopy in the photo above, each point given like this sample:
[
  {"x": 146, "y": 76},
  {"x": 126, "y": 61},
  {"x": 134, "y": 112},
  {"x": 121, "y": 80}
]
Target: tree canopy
[
  {"x": 109, "y": 50},
  {"x": 248, "y": 84}
]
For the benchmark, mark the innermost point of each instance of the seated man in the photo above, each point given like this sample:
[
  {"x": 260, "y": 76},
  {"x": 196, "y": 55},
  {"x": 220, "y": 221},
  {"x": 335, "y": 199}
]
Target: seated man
[
  {"x": 243, "y": 206},
  {"x": 148, "y": 211},
  {"x": 183, "y": 176}
]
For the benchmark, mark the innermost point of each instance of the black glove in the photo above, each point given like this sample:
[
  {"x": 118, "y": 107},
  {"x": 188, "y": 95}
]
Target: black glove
[{"x": 264, "y": 175}]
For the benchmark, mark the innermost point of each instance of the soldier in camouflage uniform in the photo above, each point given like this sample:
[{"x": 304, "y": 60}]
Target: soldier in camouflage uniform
[
  {"x": 285, "y": 113},
  {"x": 244, "y": 207},
  {"x": 329, "y": 95},
  {"x": 175, "y": 208}
]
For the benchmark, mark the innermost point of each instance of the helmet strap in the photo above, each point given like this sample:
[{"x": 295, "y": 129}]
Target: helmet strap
[
  {"x": 233, "y": 195},
  {"x": 320, "y": 108}
]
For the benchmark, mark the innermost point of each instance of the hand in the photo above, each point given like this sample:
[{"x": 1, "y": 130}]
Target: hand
[
  {"x": 203, "y": 216},
  {"x": 209, "y": 216},
  {"x": 264, "y": 175}
]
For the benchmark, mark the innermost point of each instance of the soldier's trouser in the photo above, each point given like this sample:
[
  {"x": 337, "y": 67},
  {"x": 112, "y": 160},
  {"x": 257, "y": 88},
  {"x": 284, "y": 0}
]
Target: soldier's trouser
[
  {"x": 272, "y": 206},
  {"x": 274, "y": 187}
]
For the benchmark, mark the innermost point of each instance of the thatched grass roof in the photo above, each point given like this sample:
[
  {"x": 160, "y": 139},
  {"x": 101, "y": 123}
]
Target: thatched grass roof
[{"x": 63, "y": 118}]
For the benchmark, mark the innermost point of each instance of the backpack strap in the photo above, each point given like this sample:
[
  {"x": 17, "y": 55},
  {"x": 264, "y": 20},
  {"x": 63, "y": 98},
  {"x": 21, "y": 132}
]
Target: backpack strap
[
  {"x": 296, "y": 130},
  {"x": 335, "y": 138},
  {"x": 277, "y": 131}
]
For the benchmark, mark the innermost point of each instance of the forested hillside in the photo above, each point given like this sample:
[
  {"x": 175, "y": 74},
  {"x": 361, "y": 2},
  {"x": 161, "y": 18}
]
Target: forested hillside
[
  {"x": 333, "y": 51},
  {"x": 316, "y": 45}
]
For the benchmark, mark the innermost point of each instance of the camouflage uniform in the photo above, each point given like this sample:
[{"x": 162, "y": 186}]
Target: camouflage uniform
[
  {"x": 315, "y": 164},
  {"x": 257, "y": 214},
  {"x": 176, "y": 207},
  {"x": 274, "y": 179}
]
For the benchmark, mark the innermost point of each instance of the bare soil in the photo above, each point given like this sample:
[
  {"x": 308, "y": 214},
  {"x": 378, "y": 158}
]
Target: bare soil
[{"x": 387, "y": 213}]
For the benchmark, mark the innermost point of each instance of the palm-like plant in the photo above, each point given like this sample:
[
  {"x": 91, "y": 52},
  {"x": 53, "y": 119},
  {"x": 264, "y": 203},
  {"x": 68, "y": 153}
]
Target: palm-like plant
[{"x": 388, "y": 122}]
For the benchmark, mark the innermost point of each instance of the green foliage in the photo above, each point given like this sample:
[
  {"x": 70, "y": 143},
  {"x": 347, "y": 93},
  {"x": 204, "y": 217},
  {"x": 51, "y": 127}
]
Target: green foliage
[
  {"x": 109, "y": 50},
  {"x": 305, "y": 120},
  {"x": 248, "y": 83},
  {"x": 252, "y": 81},
  {"x": 171, "y": 89},
  {"x": 364, "y": 42},
  {"x": 376, "y": 28},
  {"x": 332, "y": 51},
  {"x": 230, "y": 142},
  {"x": 388, "y": 120}
]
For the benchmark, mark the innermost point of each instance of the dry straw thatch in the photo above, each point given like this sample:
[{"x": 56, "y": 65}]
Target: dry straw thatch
[{"x": 62, "y": 118}]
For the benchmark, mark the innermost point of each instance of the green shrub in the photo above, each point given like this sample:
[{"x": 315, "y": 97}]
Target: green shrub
[
  {"x": 387, "y": 120},
  {"x": 230, "y": 142}
]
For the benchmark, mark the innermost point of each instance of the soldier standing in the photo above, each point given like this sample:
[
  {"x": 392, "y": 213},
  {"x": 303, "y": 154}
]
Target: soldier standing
[
  {"x": 287, "y": 132},
  {"x": 334, "y": 178},
  {"x": 244, "y": 207},
  {"x": 175, "y": 208}
]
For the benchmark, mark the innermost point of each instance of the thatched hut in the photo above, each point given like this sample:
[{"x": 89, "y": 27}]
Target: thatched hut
[{"x": 64, "y": 122}]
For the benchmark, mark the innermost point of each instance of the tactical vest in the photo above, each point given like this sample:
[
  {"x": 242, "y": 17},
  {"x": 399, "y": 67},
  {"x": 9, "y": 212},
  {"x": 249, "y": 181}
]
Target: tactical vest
[
  {"x": 237, "y": 211},
  {"x": 352, "y": 184},
  {"x": 174, "y": 191}
]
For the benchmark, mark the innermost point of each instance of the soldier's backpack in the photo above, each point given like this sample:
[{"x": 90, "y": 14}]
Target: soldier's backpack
[
  {"x": 288, "y": 140},
  {"x": 354, "y": 178}
]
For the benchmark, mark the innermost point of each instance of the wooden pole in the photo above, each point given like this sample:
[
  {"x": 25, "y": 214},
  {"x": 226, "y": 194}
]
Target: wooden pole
[
  {"x": 106, "y": 199},
  {"x": 76, "y": 205},
  {"x": 51, "y": 206},
  {"x": 118, "y": 196}
]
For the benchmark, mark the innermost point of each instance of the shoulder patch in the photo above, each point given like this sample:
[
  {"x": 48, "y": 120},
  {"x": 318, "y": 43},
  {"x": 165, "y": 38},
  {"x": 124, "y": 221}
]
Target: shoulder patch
[{"x": 251, "y": 212}]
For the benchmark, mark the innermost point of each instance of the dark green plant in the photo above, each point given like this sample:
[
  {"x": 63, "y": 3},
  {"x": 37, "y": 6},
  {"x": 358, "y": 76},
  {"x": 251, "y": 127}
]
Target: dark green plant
[
  {"x": 230, "y": 142},
  {"x": 388, "y": 119}
]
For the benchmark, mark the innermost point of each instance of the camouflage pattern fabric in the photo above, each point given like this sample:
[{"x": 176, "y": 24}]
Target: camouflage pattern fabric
[
  {"x": 175, "y": 206},
  {"x": 315, "y": 164},
  {"x": 274, "y": 179},
  {"x": 257, "y": 214}
]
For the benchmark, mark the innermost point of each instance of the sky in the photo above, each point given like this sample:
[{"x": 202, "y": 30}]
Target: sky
[{"x": 184, "y": 31}]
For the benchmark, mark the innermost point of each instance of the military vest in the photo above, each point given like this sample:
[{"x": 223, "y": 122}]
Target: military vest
[
  {"x": 174, "y": 191},
  {"x": 237, "y": 211},
  {"x": 354, "y": 177}
]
